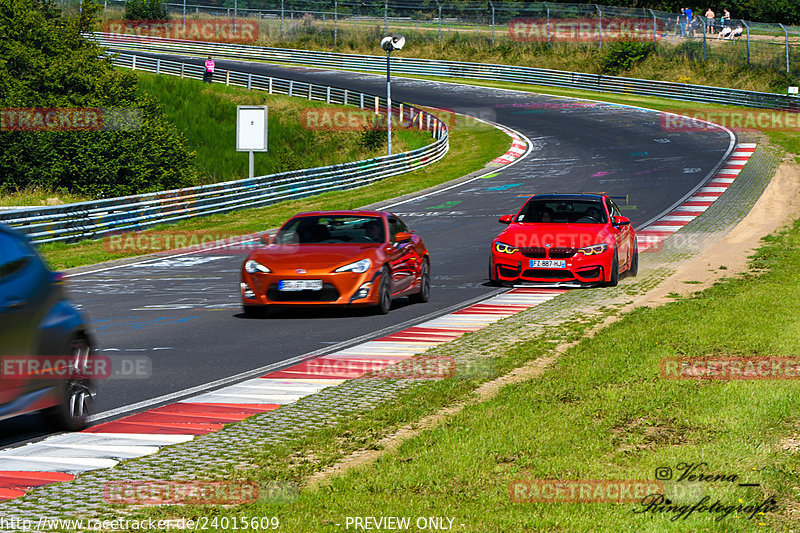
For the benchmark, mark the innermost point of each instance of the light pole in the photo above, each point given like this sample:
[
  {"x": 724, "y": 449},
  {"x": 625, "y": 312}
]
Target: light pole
[{"x": 390, "y": 43}]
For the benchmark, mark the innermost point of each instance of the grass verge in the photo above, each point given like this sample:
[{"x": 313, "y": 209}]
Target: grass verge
[{"x": 472, "y": 145}]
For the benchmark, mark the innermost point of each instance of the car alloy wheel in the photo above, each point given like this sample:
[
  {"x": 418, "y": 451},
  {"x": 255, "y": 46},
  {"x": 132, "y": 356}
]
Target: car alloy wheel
[{"x": 424, "y": 293}]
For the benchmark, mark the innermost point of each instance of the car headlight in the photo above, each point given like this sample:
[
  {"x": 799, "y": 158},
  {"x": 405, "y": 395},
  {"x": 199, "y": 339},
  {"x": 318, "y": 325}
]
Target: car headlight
[
  {"x": 504, "y": 248},
  {"x": 594, "y": 249},
  {"x": 251, "y": 267},
  {"x": 358, "y": 267}
]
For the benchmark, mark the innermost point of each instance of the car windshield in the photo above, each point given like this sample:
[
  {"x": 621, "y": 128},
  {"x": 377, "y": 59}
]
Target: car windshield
[
  {"x": 563, "y": 212},
  {"x": 331, "y": 229}
]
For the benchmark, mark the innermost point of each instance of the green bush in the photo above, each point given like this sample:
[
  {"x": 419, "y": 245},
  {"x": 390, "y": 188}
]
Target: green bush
[
  {"x": 46, "y": 63},
  {"x": 621, "y": 55},
  {"x": 145, "y": 10}
]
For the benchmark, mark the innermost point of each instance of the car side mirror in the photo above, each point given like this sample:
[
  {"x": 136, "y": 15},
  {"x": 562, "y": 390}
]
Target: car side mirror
[
  {"x": 506, "y": 219},
  {"x": 266, "y": 239},
  {"x": 402, "y": 236},
  {"x": 621, "y": 221}
]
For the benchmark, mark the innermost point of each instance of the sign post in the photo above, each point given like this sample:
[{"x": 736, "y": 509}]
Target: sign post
[{"x": 251, "y": 131}]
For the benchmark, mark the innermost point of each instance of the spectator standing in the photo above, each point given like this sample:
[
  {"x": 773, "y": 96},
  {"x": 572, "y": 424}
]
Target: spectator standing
[
  {"x": 209, "y": 71},
  {"x": 689, "y": 19},
  {"x": 709, "y": 21},
  {"x": 682, "y": 22},
  {"x": 725, "y": 20}
]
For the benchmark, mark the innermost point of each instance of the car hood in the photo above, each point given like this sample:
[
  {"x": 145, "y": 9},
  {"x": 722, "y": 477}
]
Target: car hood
[
  {"x": 555, "y": 235},
  {"x": 312, "y": 255}
]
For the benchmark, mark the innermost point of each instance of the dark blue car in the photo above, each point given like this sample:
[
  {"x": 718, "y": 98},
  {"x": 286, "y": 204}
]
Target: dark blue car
[{"x": 45, "y": 345}]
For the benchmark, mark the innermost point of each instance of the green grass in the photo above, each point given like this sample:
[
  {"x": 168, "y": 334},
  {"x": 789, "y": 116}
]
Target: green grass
[
  {"x": 601, "y": 412},
  {"x": 472, "y": 145},
  {"x": 207, "y": 115}
]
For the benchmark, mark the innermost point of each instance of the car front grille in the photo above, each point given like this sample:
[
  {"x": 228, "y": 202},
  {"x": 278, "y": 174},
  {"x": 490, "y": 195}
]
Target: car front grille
[{"x": 327, "y": 294}]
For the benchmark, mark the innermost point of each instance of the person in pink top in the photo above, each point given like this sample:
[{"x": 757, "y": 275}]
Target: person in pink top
[{"x": 209, "y": 71}]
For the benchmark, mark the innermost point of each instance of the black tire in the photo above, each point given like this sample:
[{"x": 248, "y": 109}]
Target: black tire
[
  {"x": 384, "y": 293},
  {"x": 614, "y": 281},
  {"x": 424, "y": 293},
  {"x": 633, "y": 271},
  {"x": 76, "y": 393},
  {"x": 255, "y": 311}
]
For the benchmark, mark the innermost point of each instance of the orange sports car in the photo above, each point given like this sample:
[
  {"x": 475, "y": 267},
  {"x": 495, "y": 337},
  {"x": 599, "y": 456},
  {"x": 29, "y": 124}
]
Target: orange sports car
[{"x": 352, "y": 258}]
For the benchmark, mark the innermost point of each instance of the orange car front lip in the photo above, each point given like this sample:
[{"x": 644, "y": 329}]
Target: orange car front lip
[{"x": 345, "y": 284}]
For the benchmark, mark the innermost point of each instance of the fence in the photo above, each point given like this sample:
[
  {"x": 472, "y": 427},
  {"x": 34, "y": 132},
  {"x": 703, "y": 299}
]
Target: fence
[
  {"x": 495, "y": 22},
  {"x": 72, "y": 222},
  {"x": 456, "y": 69}
]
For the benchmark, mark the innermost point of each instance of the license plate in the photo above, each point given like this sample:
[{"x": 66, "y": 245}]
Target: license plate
[
  {"x": 300, "y": 285},
  {"x": 547, "y": 263}
]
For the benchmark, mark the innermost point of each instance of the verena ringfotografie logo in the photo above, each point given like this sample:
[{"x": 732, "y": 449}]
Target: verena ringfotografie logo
[
  {"x": 223, "y": 30},
  {"x": 582, "y": 490},
  {"x": 163, "y": 492},
  {"x": 581, "y": 29},
  {"x": 730, "y": 368},
  {"x": 53, "y": 119}
]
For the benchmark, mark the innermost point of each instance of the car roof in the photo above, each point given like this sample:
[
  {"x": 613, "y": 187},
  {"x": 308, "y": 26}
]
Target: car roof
[
  {"x": 570, "y": 196},
  {"x": 344, "y": 212}
]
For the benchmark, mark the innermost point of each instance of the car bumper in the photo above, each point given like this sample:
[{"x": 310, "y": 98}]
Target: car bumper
[
  {"x": 342, "y": 288},
  {"x": 516, "y": 268}
]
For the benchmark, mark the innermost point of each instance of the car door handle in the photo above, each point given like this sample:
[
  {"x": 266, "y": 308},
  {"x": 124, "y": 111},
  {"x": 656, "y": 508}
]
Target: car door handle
[{"x": 14, "y": 304}]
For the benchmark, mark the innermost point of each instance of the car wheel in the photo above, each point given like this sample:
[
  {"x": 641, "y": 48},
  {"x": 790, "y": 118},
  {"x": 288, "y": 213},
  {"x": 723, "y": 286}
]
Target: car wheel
[
  {"x": 255, "y": 311},
  {"x": 75, "y": 393},
  {"x": 634, "y": 269},
  {"x": 384, "y": 293},
  {"x": 424, "y": 293},
  {"x": 614, "y": 281}
]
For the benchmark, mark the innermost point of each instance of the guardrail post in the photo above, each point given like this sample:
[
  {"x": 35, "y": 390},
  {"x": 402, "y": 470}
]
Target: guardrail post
[
  {"x": 328, "y": 94},
  {"x": 655, "y": 30},
  {"x": 309, "y": 90},
  {"x": 400, "y": 117},
  {"x": 376, "y": 105},
  {"x": 439, "y": 7},
  {"x": 270, "y": 85},
  {"x": 228, "y": 77},
  {"x": 703, "y": 24},
  {"x": 345, "y": 97},
  {"x": 182, "y": 68},
  {"x": 133, "y": 64},
  {"x": 547, "y": 24},
  {"x": 492, "y": 6},
  {"x": 158, "y": 66},
  {"x": 747, "y": 28},
  {"x": 291, "y": 86},
  {"x": 599, "y": 27},
  {"x": 249, "y": 80},
  {"x": 361, "y": 101},
  {"x": 787, "y": 46}
]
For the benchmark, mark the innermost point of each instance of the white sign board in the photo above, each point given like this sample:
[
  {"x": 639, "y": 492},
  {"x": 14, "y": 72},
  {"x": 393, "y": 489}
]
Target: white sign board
[
  {"x": 251, "y": 128},
  {"x": 793, "y": 90}
]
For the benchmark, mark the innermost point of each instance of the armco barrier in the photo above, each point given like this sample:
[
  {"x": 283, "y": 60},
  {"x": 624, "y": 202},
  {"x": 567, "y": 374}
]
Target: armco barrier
[
  {"x": 72, "y": 222},
  {"x": 456, "y": 69}
]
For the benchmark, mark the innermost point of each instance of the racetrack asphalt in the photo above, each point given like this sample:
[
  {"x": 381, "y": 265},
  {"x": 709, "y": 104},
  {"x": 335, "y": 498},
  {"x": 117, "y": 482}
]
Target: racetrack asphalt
[{"x": 183, "y": 313}]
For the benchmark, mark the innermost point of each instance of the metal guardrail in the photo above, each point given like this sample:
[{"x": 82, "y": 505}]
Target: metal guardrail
[
  {"x": 456, "y": 69},
  {"x": 84, "y": 220}
]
